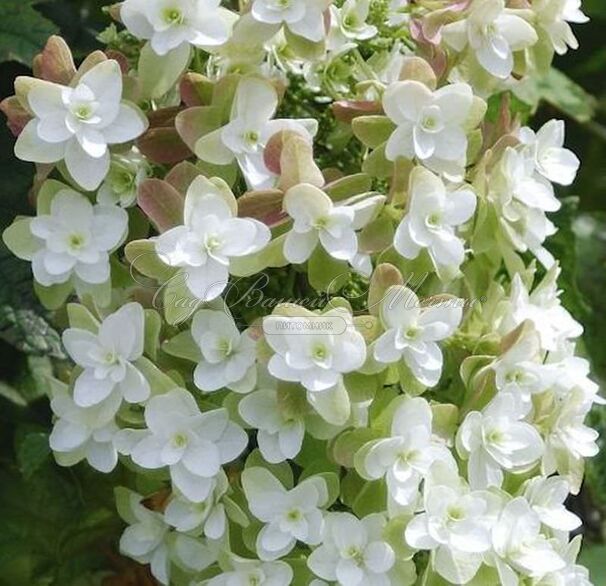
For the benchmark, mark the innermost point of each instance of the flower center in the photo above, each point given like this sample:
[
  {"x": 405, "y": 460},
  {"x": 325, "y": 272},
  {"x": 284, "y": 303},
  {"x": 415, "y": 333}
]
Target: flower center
[
  {"x": 83, "y": 112},
  {"x": 251, "y": 137},
  {"x": 412, "y": 333},
  {"x": 495, "y": 436},
  {"x": 179, "y": 440},
  {"x": 224, "y": 347},
  {"x": 173, "y": 16},
  {"x": 76, "y": 241},
  {"x": 294, "y": 515},
  {"x": 434, "y": 220},
  {"x": 350, "y": 21},
  {"x": 455, "y": 513},
  {"x": 320, "y": 352},
  {"x": 356, "y": 554},
  {"x": 212, "y": 243}
]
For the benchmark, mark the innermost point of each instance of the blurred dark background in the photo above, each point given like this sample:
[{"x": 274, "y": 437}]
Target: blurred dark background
[{"x": 57, "y": 525}]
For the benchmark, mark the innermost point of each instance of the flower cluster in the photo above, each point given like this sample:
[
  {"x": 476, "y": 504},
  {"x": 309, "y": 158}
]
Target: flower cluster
[{"x": 426, "y": 424}]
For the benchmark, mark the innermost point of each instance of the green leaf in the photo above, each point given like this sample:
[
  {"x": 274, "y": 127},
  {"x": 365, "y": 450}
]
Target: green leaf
[
  {"x": 183, "y": 346},
  {"x": 23, "y": 31},
  {"x": 557, "y": 89},
  {"x": 372, "y": 131},
  {"x": 327, "y": 274},
  {"x": 32, "y": 452}
]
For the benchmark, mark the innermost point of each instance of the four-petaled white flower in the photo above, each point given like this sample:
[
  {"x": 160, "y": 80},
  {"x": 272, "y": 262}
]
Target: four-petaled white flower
[
  {"x": 353, "y": 551},
  {"x": 254, "y": 573},
  {"x": 317, "y": 220},
  {"x": 304, "y": 18},
  {"x": 149, "y": 539},
  {"x": 455, "y": 526},
  {"x": 314, "y": 350},
  {"x": 228, "y": 357},
  {"x": 554, "y": 324},
  {"x": 546, "y": 497},
  {"x": 497, "y": 439},
  {"x": 519, "y": 546},
  {"x": 206, "y": 517},
  {"x": 546, "y": 147},
  {"x": 75, "y": 239},
  {"x": 126, "y": 172},
  {"x": 289, "y": 515},
  {"x": 553, "y": 16},
  {"x": 412, "y": 332},
  {"x": 84, "y": 433},
  {"x": 250, "y": 127},
  {"x": 522, "y": 197},
  {"x": 430, "y": 125},
  {"x": 169, "y": 24},
  {"x": 434, "y": 212},
  {"x": 77, "y": 124},
  {"x": 348, "y": 24},
  {"x": 145, "y": 538},
  {"x": 519, "y": 370},
  {"x": 210, "y": 237},
  {"x": 192, "y": 444},
  {"x": 107, "y": 358},
  {"x": 279, "y": 434},
  {"x": 405, "y": 458},
  {"x": 494, "y": 33}
]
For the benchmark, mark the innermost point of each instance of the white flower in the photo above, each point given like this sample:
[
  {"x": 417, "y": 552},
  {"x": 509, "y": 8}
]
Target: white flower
[
  {"x": 207, "y": 517},
  {"x": 77, "y": 124},
  {"x": 348, "y": 23},
  {"x": 315, "y": 350},
  {"x": 353, "y": 552},
  {"x": 289, "y": 515},
  {"x": 144, "y": 539},
  {"x": 456, "y": 526},
  {"x": 493, "y": 33},
  {"x": 107, "y": 358},
  {"x": 434, "y": 212},
  {"x": 228, "y": 356},
  {"x": 171, "y": 23},
  {"x": 317, "y": 220},
  {"x": 522, "y": 197},
  {"x": 304, "y": 18},
  {"x": 75, "y": 239},
  {"x": 430, "y": 125},
  {"x": 568, "y": 441},
  {"x": 251, "y": 572},
  {"x": 280, "y": 434},
  {"x": 543, "y": 308},
  {"x": 251, "y": 126},
  {"x": 412, "y": 332},
  {"x": 519, "y": 545},
  {"x": 405, "y": 458},
  {"x": 546, "y": 497},
  {"x": 84, "y": 433},
  {"x": 554, "y": 15},
  {"x": 192, "y": 444},
  {"x": 398, "y": 14},
  {"x": 551, "y": 159},
  {"x": 126, "y": 172},
  {"x": 149, "y": 540},
  {"x": 519, "y": 370},
  {"x": 572, "y": 573},
  {"x": 210, "y": 237},
  {"x": 495, "y": 440}
]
